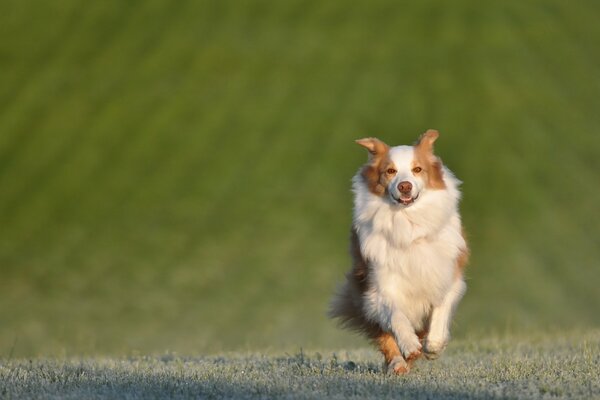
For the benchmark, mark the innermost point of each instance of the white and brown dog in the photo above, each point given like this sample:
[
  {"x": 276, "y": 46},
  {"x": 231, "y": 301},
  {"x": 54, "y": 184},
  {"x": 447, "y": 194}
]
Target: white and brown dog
[{"x": 408, "y": 252}]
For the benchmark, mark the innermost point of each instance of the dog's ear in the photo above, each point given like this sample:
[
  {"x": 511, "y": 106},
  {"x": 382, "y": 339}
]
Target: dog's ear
[
  {"x": 425, "y": 142},
  {"x": 375, "y": 146}
]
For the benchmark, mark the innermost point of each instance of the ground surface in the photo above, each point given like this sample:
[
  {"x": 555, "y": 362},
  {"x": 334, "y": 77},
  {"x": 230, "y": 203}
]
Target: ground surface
[
  {"x": 175, "y": 175},
  {"x": 546, "y": 369}
]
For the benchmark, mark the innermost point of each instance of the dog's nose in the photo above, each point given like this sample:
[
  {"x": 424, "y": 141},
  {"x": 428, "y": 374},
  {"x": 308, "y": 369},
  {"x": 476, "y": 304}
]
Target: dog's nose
[{"x": 405, "y": 187}]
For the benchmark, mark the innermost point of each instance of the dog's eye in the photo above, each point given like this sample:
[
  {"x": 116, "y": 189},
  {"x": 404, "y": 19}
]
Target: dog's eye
[
  {"x": 416, "y": 170},
  {"x": 391, "y": 171}
]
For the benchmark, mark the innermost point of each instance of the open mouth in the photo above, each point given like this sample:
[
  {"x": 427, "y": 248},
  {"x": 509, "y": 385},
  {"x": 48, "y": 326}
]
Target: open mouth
[{"x": 406, "y": 200}]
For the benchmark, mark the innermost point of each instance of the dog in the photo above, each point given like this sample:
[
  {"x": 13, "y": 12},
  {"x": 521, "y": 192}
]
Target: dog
[{"x": 409, "y": 252}]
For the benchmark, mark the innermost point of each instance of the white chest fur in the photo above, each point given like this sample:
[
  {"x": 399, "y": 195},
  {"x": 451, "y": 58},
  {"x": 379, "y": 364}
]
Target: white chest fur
[{"x": 411, "y": 252}]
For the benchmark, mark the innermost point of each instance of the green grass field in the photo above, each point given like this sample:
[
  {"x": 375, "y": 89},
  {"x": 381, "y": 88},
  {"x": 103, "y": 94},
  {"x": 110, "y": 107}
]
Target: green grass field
[
  {"x": 175, "y": 175},
  {"x": 544, "y": 368}
]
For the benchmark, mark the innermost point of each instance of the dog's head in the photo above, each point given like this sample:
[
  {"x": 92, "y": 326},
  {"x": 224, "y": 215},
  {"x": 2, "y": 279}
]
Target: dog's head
[{"x": 402, "y": 173}]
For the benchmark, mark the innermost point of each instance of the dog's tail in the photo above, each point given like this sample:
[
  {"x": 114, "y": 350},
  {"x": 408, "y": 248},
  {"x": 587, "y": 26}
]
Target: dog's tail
[{"x": 347, "y": 308}]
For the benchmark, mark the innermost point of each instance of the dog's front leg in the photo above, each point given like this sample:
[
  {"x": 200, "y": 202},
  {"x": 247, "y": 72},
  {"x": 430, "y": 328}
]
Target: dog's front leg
[
  {"x": 408, "y": 341},
  {"x": 441, "y": 317}
]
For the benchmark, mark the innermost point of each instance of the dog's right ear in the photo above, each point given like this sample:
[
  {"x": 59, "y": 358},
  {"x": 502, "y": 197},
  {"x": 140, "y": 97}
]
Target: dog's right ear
[{"x": 375, "y": 146}]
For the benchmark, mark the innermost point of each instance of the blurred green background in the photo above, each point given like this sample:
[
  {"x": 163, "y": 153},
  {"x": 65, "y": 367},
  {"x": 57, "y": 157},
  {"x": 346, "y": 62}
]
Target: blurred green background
[{"x": 175, "y": 175}]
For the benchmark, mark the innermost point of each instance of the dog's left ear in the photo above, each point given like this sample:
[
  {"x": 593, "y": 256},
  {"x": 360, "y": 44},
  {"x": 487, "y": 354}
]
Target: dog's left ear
[{"x": 425, "y": 142}]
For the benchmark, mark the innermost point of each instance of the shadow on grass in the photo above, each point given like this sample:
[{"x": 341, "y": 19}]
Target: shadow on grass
[
  {"x": 219, "y": 378},
  {"x": 342, "y": 388}
]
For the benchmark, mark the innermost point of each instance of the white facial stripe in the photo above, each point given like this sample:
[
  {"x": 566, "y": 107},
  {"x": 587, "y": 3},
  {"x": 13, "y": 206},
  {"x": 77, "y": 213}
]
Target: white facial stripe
[{"x": 402, "y": 157}]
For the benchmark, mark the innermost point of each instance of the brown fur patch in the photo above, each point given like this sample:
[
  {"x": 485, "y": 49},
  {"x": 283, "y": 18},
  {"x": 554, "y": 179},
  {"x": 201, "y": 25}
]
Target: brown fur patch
[
  {"x": 413, "y": 356},
  {"x": 400, "y": 370},
  {"x": 423, "y": 333},
  {"x": 375, "y": 171},
  {"x": 463, "y": 257},
  {"x": 431, "y": 165},
  {"x": 388, "y": 346}
]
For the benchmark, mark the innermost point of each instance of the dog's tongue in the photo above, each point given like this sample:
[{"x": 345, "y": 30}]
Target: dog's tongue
[{"x": 405, "y": 199}]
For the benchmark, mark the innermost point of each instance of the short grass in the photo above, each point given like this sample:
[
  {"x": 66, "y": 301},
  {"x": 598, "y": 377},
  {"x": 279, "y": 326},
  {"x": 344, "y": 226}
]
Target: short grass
[{"x": 565, "y": 368}]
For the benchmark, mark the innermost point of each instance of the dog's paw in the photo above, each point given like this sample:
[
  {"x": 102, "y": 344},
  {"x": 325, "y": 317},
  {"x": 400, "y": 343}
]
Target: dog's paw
[
  {"x": 410, "y": 347},
  {"x": 398, "y": 366},
  {"x": 434, "y": 348}
]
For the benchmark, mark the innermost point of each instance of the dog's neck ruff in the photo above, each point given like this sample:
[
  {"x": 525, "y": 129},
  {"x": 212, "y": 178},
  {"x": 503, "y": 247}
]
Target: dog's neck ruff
[{"x": 392, "y": 226}]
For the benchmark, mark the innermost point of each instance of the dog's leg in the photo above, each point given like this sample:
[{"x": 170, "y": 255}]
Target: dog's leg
[
  {"x": 407, "y": 339},
  {"x": 441, "y": 317},
  {"x": 395, "y": 363},
  {"x": 421, "y": 335}
]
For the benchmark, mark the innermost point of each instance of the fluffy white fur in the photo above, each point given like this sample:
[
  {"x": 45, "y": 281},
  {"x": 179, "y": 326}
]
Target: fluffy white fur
[{"x": 412, "y": 252}]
